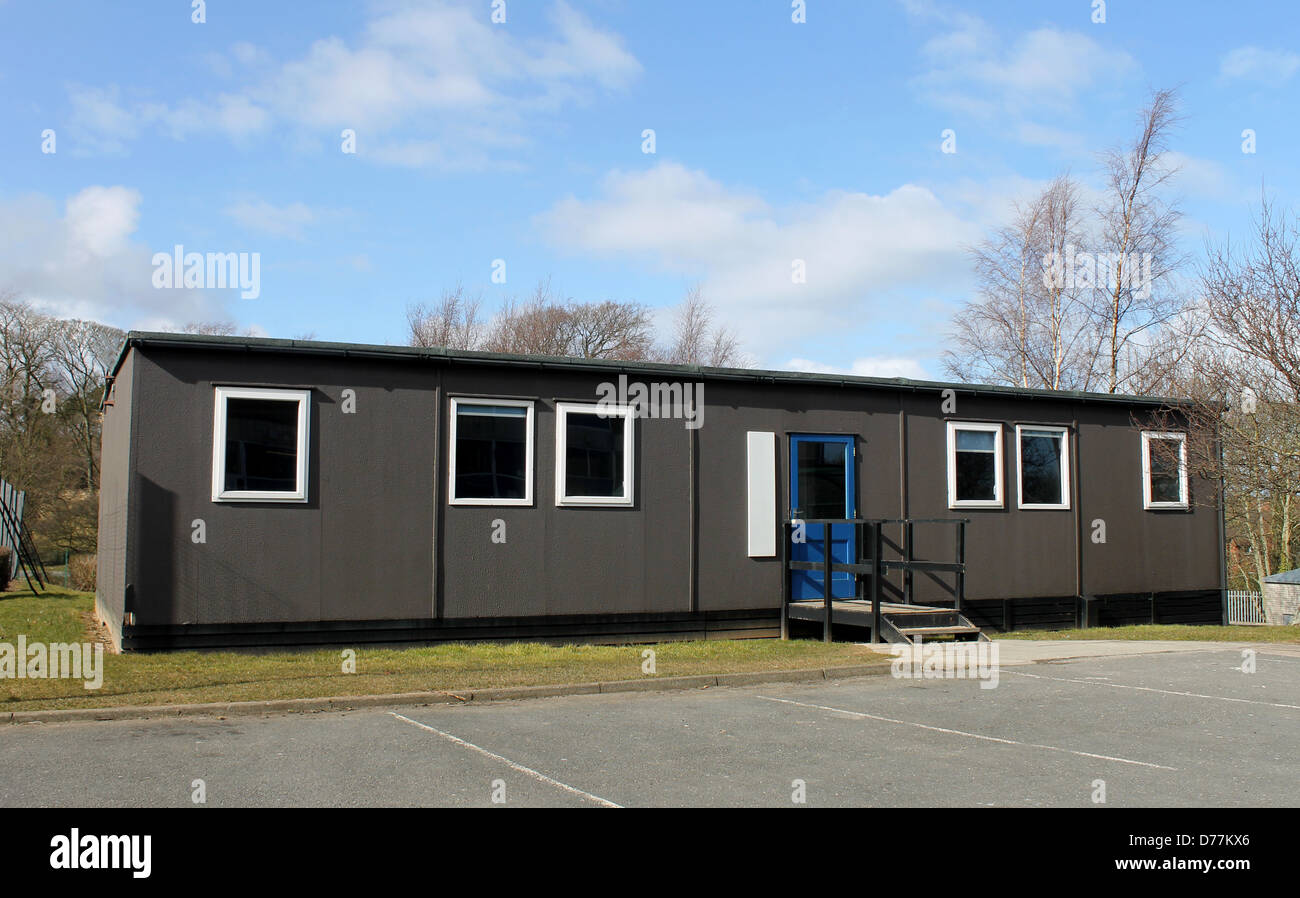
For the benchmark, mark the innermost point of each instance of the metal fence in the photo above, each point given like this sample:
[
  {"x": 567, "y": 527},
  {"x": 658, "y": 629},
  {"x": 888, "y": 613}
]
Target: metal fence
[
  {"x": 1245, "y": 607},
  {"x": 13, "y": 499}
]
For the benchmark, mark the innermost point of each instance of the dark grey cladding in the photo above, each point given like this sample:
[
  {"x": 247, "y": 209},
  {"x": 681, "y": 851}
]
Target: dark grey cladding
[{"x": 378, "y": 541}]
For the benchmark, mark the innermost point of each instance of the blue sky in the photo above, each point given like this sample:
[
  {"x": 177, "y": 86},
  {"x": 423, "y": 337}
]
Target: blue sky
[{"x": 522, "y": 141}]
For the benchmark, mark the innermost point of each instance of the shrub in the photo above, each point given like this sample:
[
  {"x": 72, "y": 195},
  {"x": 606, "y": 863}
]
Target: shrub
[
  {"x": 6, "y": 564},
  {"x": 81, "y": 572}
]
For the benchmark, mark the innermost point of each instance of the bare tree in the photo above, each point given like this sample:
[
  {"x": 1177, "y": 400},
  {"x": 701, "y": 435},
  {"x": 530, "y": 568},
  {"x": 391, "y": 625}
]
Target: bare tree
[
  {"x": 545, "y": 324},
  {"x": 215, "y": 329},
  {"x": 83, "y": 352},
  {"x": 1241, "y": 380},
  {"x": 541, "y": 325},
  {"x": 49, "y": 423},
  {"x": 697, "y": 340},
  {"x": 611, "y": 330},
  {"x": 1138, "y": 231},
  {"x": 1096, "y": 317},
  {"x": 1070, "y": 358},
  {"x": 1029, "y": 325},
  {"x": 1006, "y": 266},
  {"x": 549, "y": 324},
  {"x": 453, "y": 322}
]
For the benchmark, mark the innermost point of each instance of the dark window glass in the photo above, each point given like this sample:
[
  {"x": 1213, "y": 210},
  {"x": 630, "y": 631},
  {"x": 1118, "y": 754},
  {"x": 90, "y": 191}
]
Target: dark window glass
[
  {"x": 822, "y": 480},
  {"x": 593, "y": 460},
  {"x": 261, "y": 445},
  {"x": 491, "y": 451},
  {"x": 976, "y": 465},
  {"x": 1040, "y": 467},
  {"x": 1166, "y": 484}
]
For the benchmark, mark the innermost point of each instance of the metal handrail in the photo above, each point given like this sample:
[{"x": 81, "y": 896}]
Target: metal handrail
[{"x": 874, "y": 566}]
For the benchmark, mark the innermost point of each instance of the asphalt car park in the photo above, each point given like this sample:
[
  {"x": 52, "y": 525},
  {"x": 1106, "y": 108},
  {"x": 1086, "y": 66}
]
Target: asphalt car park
[{"x": 1204, "y": 727}]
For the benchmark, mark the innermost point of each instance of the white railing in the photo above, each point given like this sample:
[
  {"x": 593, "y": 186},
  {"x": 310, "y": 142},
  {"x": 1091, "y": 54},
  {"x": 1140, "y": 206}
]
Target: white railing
[{"x": 1245, "y": 607}]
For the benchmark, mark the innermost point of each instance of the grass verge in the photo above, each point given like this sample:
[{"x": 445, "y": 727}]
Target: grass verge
[
  {"x": 1167, "y": 631},
  {"x": 189, "y": 677}
]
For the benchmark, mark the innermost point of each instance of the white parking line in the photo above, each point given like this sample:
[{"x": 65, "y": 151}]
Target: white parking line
[
  {"x": 1222, "y": 698},
  {"x": 527, "y": 771},
  {"x": 924, "y": 726}
]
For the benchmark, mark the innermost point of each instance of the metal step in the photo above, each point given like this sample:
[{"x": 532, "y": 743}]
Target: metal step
[
  {"x": 906, "y": 626},
  {"x": 942, "y": 617},
  {"x": 953, "y": 630}
]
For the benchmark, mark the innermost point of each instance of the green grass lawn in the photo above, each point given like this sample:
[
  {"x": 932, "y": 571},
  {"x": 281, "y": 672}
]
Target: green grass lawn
[
  {"x": 176, "y": 677},
  {"x": 1167, "y": 631}
]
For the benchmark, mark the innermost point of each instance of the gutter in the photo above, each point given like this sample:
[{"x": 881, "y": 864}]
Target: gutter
[{"x": 470, "y": 357}]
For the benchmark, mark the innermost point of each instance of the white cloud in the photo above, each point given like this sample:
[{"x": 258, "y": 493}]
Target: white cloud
[
  {"x": 422, "y": 64},
  {"x": 433, "y": 84},
  {"x": 99, "y": 120},
  {"x": 1045, "y": 68},
  {"x": 100, "y": 220},
  {"x": 1272, "y": 67},
  {"x": 1200, "y": 176},
  {"x": 250, "y": 55},
  {"x": 88, "y": 262},
  {"x": 279, "y": 221},
  {"x": 970, "y": 69},
  {"x": 103, "y": 122},
  {"x": 870, "y": 366},
  {"x": 1069, "y": 142},
  {"x": 856, "y": 247}
]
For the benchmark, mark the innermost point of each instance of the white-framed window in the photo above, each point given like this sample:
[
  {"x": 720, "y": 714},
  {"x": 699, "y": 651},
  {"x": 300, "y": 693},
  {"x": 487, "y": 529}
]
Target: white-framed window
[
  {"x": 259, "y": 444},
  {"x": 490, "y": 460},
  {"x": 974, "y": 465},
  {"x": 1042, "y": 466},
  {"x": 1164, "y": 470},
  {"x": 593, "y": 454}
]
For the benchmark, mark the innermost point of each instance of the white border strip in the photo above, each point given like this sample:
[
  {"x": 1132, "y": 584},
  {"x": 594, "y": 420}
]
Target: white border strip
[
  {"x": 1063, "y": 460},
  {"x": 274, "y": 394},
  {"x": 1183, "y": 498},
  {"x": 999, "y": 473},
  {"x": 562, "y": 412},
  {"x": 529, "y": 439},
  {"x": 520, "y": 768}
]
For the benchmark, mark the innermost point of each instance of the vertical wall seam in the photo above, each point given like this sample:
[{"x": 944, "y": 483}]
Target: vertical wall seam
[
  {"x": 693, "y": 548},
  {"x": 1076, "y": 489},
  {"x": 902, "y": 484},
  {"x": 439, "y": 511},
  {"x": 902, "y": 459}
]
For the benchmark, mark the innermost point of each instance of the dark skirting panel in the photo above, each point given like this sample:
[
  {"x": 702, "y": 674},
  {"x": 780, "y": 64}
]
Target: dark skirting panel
[
  {"x": 1064, "y": 612},
  {"x": 1047, "y": 613},
  {"x": 589, "y": 628},
  {"x": 998, "y": 615}
]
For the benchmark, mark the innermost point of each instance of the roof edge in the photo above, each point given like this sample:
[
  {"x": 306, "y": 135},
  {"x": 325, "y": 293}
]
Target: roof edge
[{"x": 415, "y": 353}]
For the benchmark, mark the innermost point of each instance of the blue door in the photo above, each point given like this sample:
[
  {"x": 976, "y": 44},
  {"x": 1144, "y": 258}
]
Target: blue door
[{"x": 821, "y": 486}]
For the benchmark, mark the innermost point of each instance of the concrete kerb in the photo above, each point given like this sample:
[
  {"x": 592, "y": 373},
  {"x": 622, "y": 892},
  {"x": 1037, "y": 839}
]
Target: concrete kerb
[{"x": 407, "y": 699}]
